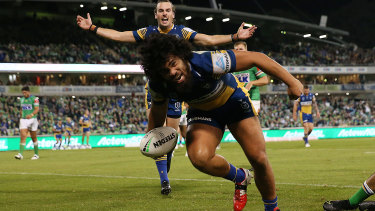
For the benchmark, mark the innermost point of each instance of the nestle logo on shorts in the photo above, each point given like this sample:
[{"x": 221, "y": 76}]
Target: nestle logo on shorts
[{"x": 200, "y": 118}]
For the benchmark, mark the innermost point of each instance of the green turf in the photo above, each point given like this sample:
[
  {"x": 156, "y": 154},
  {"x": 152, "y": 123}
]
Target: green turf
[{"x": 123, "y": 179}]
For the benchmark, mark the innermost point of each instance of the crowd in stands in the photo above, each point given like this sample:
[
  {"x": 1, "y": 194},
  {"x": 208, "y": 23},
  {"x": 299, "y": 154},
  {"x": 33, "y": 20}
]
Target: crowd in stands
[
  {"x": 307, "y": 54},
  {"x": 94, "y": 53},
  {"x": 128, "y": 115},
  {"x": 117, "y": 53},
  {"x": 74, "y": 45},
  {"x": 108, "y": 114},
  {"x": 57, "y": 41},
  {"x": 277, "y": 112}
]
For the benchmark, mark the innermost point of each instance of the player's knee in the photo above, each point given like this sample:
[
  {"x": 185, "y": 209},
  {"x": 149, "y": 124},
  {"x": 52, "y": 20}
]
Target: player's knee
[
  {"x": 259, "y": 160},
  {"x": 199, "y": 158}
]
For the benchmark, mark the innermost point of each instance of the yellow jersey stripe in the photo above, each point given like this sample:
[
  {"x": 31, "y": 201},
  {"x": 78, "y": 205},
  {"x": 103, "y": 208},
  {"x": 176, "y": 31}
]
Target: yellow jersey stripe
[{"x": 217, "y": 101}]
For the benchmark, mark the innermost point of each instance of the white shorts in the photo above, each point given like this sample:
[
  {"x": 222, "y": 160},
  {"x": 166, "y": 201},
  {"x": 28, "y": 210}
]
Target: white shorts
[
  {"x": 256, "y": 105},
  {"x": 183, "y": 119},
  {"x": 31, "y": 124}
]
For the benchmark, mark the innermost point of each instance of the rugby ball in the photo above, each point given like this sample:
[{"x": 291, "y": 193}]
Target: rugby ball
[{"x": 158, "y": 142}]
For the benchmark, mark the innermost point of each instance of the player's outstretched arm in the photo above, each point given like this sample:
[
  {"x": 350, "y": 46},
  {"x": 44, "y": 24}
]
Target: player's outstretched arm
[
  {"x": 86, "y": 24},
  {"x": 247, "y": 59},
  {"x": 211, "y": 40},
  {"x": 158, "y": 113}
]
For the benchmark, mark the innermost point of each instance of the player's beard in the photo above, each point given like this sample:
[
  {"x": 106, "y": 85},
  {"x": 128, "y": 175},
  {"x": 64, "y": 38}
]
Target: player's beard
[{"x": 183, "y": 89}]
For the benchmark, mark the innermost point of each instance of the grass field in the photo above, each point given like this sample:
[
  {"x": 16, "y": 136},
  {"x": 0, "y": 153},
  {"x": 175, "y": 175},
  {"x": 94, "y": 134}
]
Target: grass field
[{"x": 123, "y": 179}]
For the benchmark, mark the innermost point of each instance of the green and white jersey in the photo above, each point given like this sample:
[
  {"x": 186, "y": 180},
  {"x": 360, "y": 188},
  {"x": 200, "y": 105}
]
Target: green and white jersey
[
  {"x": 246, "y": 76},
  {"x": 28, "y": 105}
]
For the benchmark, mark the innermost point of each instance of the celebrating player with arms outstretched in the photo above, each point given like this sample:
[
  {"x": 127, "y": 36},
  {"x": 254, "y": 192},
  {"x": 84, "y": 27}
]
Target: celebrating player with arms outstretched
[
  {"x": 164, "y": 14},
  {"x": 215, "y": 100}
]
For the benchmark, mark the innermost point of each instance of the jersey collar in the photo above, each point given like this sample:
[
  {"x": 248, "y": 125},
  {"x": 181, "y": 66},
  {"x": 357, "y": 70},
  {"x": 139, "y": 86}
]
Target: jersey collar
[{"x": 165, "y": 31}]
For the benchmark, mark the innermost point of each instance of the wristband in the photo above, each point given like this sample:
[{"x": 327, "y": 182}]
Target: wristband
[
  {"x": 93, "y": 28},
  {"x": 232, "y": 37}
]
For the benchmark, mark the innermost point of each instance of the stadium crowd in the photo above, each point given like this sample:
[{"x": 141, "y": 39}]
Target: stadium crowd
[
  {"x": 322, "y": 55},
  {"x": 128, "y": 115},
  {"x": 277, "y": 112},
  {"x": 100, "y": 53},
  {"x": 108, "y": 114},
  {"x": 22, "y": 43}
]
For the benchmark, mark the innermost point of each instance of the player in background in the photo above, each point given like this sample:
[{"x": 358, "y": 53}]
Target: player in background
[
  {"x": 164, "y": 13},
  {"x": 28, "y": 122},
  {"x": 85, "y": 123},
  {"x": 58, "y": 130},
  {"x": 357, "y": 200},
  {"x": 306, "y": 101},
  {"x": 182, "y": 125},
  {"x": 68, "y": 127},
  {"x": 215, "y": 100},
  {"x": 251, "y": 78}
]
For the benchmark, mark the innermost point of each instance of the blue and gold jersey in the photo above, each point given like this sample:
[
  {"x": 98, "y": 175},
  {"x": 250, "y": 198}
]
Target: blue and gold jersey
[
  {"x": 306, "y": 103},
  {"x": 212, "y": 85},
  {"x": 68, "y": 126},
  {"x": 58, "y": 129},
  {"x": 85, "y": 121},
  {"x": 178, "y": 30}
]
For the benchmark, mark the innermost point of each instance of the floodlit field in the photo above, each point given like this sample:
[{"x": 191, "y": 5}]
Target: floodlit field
[{"x": 123, "y": 179}]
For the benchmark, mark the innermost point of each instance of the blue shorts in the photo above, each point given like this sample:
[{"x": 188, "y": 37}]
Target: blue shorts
[
  {"x": 58, "y": 136},
  {"x": 306, "y": 118},
  {"x": 174, "y": 106},
  {"x": 85, "y": 129},
  {"x": 237, "y": 108}
]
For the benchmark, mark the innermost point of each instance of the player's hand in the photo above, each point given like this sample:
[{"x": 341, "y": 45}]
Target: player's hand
[
  {"x": 243, "y": 34},
  {"x": 295, "y": 89},
  {"x": 84, "y": 23},
  {"x": 295, "y": 117},
  {"x": 249, "y": 85},
  {"x": 317, "y": 115},
  {"x": 29, "y": 116}
]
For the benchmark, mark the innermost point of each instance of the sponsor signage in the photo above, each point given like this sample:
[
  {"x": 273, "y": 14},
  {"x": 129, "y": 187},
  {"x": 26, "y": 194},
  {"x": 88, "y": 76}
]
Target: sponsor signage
[
  {"x": 129, "y": 89},
  {"x": 328, "y": 70},
  {"x": 352, "y": 87},
  {"x": 133, "y": 140}
]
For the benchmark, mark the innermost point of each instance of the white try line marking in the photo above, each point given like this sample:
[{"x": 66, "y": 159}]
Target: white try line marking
[{"x": 177, "y": 179}]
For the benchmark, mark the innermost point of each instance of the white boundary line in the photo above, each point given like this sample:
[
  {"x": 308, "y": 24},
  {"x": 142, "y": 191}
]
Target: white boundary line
[{"x": 177, "y": 179}]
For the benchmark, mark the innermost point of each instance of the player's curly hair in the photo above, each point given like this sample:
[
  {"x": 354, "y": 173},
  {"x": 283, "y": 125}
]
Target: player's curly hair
[{"x": 156, "y": 50}]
